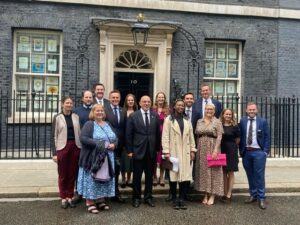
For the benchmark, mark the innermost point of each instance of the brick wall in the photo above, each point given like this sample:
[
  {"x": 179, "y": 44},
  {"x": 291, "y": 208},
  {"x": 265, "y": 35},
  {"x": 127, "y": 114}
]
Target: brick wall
[
  {"x": 288, "y": 82},
  {"x": 292, "y": 4},
  {"x": 263, "y": 3}
]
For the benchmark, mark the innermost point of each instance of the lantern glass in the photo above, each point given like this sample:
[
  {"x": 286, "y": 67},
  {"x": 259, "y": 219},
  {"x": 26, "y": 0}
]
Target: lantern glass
[{"x": 140, "y": 33}]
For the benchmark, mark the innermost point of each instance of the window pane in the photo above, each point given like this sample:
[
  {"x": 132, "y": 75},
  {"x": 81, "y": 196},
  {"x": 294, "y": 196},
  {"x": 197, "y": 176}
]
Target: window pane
[
  {"x": 219, "y": 88},
  {"x": 233, "y": 69},
  {"x": 209, "y": 68},
  {"x": 38, "y": 84},
  {"x": 23, "y": 43},
  {"x": 22, "y": 83},
  {"x": 53, "y": 44},
  {"x": 221, "y": 51},
  {"x": 231, "y": 87},
  {"x": 38, "y": 44},
  {"x": 53, "y": 64},
  {"x": 22, "y": 63},
  {"x": 52, "y": 103},
  {"x": 38, "y": 103},
  {"x": 209, "y": 51},
  {"x": 221, "y": 69},
  {"x": 38, "y": 63},
  {"x": 233, "y": 52},
  {"x": 22, "y": 103},
  {"x": 52, "y": 85}
]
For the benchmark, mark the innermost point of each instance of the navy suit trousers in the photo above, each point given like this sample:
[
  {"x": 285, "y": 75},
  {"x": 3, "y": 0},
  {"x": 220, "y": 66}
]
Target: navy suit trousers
[{"x": 254, "y": 163}]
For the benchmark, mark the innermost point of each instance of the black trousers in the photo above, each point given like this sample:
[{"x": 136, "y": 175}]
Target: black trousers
[
  {"x": 117, "y": 170},
  {"x": 183, "y": 189},
  {"x": 145, "y": 165}
]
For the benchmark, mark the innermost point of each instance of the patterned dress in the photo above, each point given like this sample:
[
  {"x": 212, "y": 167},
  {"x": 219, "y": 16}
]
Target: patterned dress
[
  {"x": 207, "y": 179},
  {"x": 86, "y": 186}
]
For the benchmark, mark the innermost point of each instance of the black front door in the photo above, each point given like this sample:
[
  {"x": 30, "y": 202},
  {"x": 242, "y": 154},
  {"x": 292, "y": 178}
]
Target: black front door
[{"x": 138, "y": 84}]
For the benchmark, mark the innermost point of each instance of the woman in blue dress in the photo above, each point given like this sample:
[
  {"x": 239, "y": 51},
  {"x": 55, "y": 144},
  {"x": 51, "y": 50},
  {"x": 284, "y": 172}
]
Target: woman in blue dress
[{"x": 92, "y": 133}]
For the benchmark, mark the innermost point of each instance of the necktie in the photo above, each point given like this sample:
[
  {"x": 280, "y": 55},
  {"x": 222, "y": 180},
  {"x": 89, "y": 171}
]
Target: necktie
[
  {"x": 206, "y": 101},
  {"x": 249, "y": 141},
  {"x": 116, "y": 114},
  {"x": 188, "y": 113},
  {"x": 146, "y": 120}
]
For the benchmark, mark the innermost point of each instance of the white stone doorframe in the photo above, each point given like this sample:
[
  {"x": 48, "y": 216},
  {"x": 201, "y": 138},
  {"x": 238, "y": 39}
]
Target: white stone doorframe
[{"x": 115, "y": 38}]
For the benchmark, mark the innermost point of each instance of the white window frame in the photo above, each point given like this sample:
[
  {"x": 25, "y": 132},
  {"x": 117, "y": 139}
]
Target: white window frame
[
  {"x": 212, "y": 80},
  {"x": 43, "y": 116}
]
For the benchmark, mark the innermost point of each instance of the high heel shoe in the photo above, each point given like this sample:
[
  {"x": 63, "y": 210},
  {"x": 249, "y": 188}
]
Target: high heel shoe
[
  {"x": 161, "y": 183},
  {"x": 226, "y": 199}
]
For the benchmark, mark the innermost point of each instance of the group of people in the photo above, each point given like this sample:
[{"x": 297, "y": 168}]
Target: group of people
[{"x": 136, "y": 141}]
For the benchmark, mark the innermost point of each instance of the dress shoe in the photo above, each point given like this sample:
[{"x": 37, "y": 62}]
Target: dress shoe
[
  {"x": 64, "y": 204},
  {"x": 150, "y": 202},
  {"x": 226, "y": 199},
  {"x": 169, "y": 198},
  {"x": 77, "y": 198},
  {"x": 176, "y": 204},
  {"x": 182, "y": 205},
  {"x": 119, "y": 199},
  {"x": 262, "y": 204},
  {"x": 136, "y": 203},
  {"x": 251, "y": 199},
  {"x": 71, "y": 204}
]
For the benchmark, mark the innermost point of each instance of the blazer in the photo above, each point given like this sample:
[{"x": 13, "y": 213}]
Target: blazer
[
  {"x": 119, "y": 129},
  {"x": 197, "y": 110},
  {"x": 138, "y": 137},
  {"x": 60, "y": 132},
  {"x": 105, "y": 101},
  {"x": 262, "y": 134}
]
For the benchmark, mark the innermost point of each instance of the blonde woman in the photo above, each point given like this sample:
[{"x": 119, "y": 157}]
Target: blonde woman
[
  {"x": 209, "y": 132},
  {"x": 93, "y": 133}
]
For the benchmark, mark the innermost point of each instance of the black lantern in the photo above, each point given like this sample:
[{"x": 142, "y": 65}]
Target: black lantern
[{"x": 140, "y": 31}]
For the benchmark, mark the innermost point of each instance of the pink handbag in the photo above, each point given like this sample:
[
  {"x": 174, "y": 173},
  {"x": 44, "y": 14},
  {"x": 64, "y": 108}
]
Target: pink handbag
[{"x": 221, "y": 161}]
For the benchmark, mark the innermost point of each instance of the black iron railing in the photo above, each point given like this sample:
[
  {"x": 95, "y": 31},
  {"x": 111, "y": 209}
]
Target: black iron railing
[{"x": 25, "y": 123}]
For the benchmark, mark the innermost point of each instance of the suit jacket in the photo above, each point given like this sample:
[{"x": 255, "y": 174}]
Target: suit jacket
[
  {"x": 60, "y": 132},
  {"x": 138, "y": 137},
  {"x": 262, "y": 134},
  {"x": 197, "y": 110},
  {"x": 119, "y": 128},
  {"x": 105, "y": 101}
]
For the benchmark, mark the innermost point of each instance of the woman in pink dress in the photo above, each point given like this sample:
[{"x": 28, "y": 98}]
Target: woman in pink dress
[{"x": 162, "y": 108}]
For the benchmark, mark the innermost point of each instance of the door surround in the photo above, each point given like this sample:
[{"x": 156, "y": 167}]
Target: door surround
[{"x": 116, "y": 36}]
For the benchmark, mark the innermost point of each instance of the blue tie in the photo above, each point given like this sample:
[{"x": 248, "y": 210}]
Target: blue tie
[{"x": 116, "y": 114}]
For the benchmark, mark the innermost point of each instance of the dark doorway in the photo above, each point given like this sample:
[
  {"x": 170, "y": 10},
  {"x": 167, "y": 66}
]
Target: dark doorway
[{"x": 138, "y": 84}]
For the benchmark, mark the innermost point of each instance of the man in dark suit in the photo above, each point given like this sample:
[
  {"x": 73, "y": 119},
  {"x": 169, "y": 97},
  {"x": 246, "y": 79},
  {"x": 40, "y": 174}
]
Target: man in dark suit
[
  {"x": 116, "y": 117},
  {"x": 254, "y": 148},
  {"x": 143, "y": 142},
  {"x": 199, "y": 105},
  {"x": 188, "y": 99},
  {"x": 99, "y": 90}
]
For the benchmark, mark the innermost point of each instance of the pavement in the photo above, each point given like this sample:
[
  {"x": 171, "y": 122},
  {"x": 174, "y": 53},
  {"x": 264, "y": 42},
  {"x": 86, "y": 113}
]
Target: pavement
[{"x": 38, "y": 178}]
